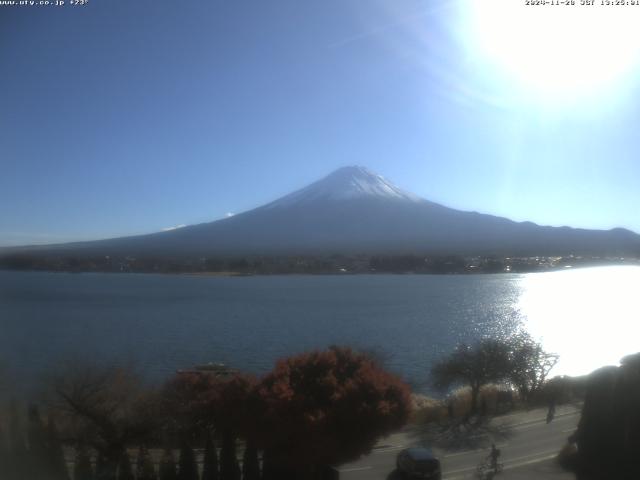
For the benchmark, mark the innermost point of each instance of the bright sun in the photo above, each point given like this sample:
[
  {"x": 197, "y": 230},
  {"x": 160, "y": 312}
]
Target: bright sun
[{"x": 556, "y": 50}]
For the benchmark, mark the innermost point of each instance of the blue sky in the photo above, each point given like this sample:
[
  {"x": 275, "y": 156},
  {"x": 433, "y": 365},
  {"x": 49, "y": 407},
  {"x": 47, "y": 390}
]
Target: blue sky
[{"x": 125, "y": 117}]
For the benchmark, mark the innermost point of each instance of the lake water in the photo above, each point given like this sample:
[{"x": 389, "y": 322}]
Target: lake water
[{"x": 163, "y": 322}]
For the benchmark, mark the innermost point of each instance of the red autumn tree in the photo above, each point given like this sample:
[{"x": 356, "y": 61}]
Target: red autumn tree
[
  {"x": 188, "y": 400},
  {"x": 326, "y": 408},
  {"x": 199, "y": 402}
]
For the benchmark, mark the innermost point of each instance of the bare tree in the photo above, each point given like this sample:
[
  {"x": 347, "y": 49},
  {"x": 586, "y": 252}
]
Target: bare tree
[
  {"x": 529, "y": 364},
  {"x": 473, "y": 366},
  {"x": 105, "y": 408},
  {"x": 518, "y": 360}
]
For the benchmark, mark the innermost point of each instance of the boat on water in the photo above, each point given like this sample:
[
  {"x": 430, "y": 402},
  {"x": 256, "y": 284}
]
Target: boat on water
[{"x": 212, "y": 368}]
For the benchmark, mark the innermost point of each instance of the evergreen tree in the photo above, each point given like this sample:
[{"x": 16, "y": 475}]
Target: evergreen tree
[
  {"x": 36, "y": 438},
  {"x": 82, "y": 469},
  {"x": 56, "y": 462},
  {"x": 188, "y": 468},
  {"x": 125, "y": 470},
  {"x": 4, "y": 454},
  {"x": 269, "y": 471},
  {"x": 101, "y": 466},
  {"x": 144, "y": 468},
  {"x": 18, "y": 461},
  {"x": 210, "y": 467},
  {"x": 229, "y": 468},
  {"x": 140, "y": 460},
  {"x": 168, "y": 469},
  {"x": 106, "y": 467},
  {"x": 272, "y": 470},
  {"x": 250, "y": 464}
]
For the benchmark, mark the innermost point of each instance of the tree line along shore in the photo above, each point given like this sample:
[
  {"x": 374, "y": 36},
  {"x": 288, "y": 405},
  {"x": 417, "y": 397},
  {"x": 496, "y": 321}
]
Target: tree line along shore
[{"x": 305, "y": 264}]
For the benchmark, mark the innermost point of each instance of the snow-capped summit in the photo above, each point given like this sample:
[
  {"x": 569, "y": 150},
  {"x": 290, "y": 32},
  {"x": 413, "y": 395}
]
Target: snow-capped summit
[{"x": 346, "y": 183}]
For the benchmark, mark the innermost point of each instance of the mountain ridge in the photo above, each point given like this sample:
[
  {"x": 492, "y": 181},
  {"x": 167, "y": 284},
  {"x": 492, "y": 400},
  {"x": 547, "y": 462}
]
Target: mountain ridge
[{"x": 356, "y": 211}]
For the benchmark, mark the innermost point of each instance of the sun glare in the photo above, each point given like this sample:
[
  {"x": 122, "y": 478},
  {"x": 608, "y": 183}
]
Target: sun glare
[
  {"x": 555, "y": 50},
  {"x": 588, "y": 316}
]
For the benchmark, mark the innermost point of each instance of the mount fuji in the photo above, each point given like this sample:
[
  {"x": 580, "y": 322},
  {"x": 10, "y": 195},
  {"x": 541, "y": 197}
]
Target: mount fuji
[{"x": 356, "y": 211}]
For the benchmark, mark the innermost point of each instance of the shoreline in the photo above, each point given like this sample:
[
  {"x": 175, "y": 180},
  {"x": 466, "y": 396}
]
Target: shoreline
[{"x": 231, "y": 273}]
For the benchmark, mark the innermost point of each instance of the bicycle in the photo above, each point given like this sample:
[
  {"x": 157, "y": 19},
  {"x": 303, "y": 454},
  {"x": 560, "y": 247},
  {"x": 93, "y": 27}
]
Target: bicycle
[{"x": 486, "y": 470}]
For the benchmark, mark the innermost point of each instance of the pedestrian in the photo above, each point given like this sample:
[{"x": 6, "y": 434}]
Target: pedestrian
[
  {"x": 552, "y": 410},
  {"x": 494, "y": 456}
]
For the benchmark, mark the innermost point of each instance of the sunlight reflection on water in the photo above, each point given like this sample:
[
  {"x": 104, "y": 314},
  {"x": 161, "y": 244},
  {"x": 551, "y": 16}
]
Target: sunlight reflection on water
[{"x": 588, "y": 316}]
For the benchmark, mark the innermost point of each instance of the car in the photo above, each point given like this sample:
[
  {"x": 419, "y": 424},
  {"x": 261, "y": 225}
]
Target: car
[{"x": 418, "y": 462}]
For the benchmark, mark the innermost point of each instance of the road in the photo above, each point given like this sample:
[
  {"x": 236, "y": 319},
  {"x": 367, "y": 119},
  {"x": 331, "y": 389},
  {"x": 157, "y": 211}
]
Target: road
[{"x": 525, "y": 439}]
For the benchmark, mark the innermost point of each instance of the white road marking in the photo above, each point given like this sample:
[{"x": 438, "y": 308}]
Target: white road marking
[
  {"x": 388, "y": 449},
  {"x": 511, "y": 461},
  {"x": 535, "y": 458},
  {"x": 531, "y": 462},
  {"x": 520, "y": 414},
  {"x": 354, "y": 469},
  {"x": 466, "y": 452},
  {"x": 528, "y": 426}
]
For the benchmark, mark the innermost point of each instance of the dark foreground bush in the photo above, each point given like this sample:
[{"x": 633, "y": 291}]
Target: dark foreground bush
[{"x": 608, "y": 435}]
